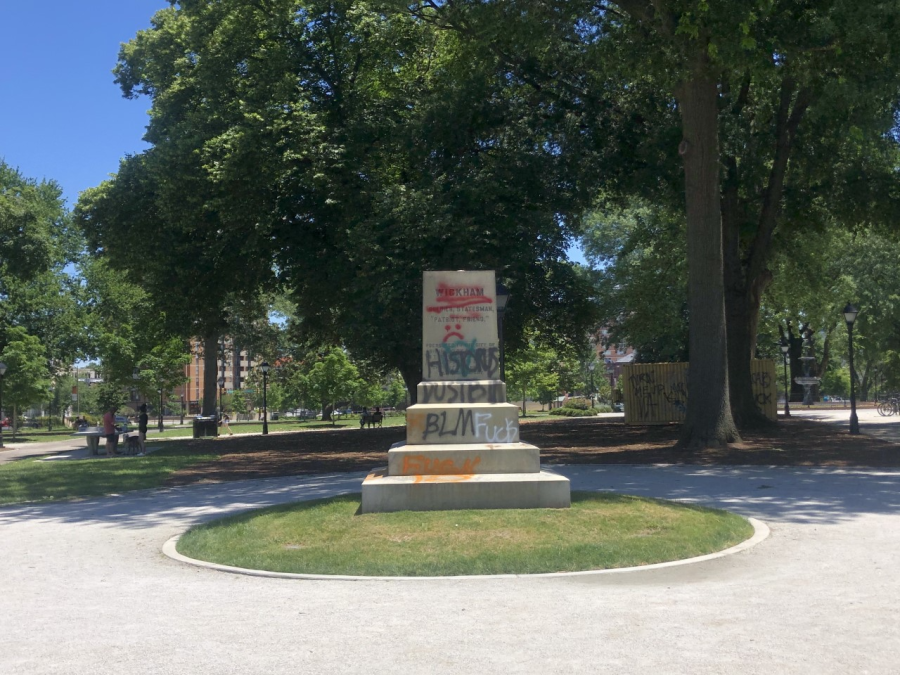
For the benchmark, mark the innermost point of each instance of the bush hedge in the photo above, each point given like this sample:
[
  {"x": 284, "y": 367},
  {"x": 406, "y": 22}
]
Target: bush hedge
[
  {"x": 573, "y": 412},
  {"x": 578, "y": 403}
]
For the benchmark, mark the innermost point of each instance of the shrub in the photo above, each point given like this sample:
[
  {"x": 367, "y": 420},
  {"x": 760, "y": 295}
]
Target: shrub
[
  {"x": 573, "y": 412},
  {"x": 578, "y": 404}
]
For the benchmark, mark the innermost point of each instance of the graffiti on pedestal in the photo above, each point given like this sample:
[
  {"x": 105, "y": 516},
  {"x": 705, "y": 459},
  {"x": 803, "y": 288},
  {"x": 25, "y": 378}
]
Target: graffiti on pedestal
[{"x": 448, "y": 392}]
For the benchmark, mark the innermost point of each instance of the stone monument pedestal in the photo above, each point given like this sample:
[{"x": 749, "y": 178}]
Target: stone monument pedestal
[
  {"x": 443, "y": 492},
  {"x": 462, "y": 447}
]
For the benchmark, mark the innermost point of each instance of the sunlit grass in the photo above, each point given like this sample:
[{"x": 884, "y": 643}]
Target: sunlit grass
[
  {"x": 239, "y": 428},
  {"x": 600, "y": 531},
  {"x": 255, "y": 427}
]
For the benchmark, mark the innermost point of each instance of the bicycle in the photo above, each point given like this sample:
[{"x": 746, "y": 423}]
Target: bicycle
[{"x": 890, "y": 406}]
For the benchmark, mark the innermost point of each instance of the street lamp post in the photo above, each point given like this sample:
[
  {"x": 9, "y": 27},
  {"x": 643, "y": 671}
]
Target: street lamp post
[
  {"x": 611, "y": 371},
  {"x": 850, "y": 313},
  {"x": 502, "y": 300},
  {"x": 785, "y": 348},
  {"x": 2, "y": 373},
  {"x": 265, "y": 370},
  {"x": 159, "y": 391},
  {"x": 182, "y": 410},
  {"x": 591, "y": 367}
]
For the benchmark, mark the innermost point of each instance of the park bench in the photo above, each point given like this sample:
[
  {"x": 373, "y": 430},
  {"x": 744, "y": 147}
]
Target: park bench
[{"x": 372, "y": 419}]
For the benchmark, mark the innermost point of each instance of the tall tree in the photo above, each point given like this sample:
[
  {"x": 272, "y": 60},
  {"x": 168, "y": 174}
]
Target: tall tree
[
  {"x": 345, "y": 147},
  {"x": 162, "y": 368},
  {"x": 31, "y": 215},
  {"x": 332, "y": 379},
  {"x": 530, "y": 371},
  {"x": 638, "y": 254},
  {"x": 794, "y": 102},
  {"x": 26, "y": 381},
  {"x": 37, "y": 242}
]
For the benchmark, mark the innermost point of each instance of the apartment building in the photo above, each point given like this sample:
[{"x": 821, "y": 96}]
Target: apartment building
[
  {"x": 233, "y": 364},
  {"x": 613, "y": 354}
]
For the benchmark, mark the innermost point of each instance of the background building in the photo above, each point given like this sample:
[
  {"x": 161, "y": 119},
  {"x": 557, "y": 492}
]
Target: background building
[
  {"x": 614, "y": 355},
  {"x": 233, "y": 364}
]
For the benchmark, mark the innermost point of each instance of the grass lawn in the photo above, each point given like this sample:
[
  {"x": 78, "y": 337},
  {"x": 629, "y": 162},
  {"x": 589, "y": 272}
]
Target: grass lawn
[
  {"x": 600, "y": 531},
  {"x": 307, "y": 451},
  {"x": 274, "y": 427},
  {"x": 36, "y": 435},
  {"x": 33, "y": 480},
  {"x": 43, "y": 436}
]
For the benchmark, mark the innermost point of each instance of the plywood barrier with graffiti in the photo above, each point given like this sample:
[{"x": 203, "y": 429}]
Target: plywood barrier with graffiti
[{"x": 656, "y": 393}]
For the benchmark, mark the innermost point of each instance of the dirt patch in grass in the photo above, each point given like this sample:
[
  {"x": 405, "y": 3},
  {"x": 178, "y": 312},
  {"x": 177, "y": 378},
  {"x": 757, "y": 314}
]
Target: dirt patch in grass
[{"x": 793, "y": 442}]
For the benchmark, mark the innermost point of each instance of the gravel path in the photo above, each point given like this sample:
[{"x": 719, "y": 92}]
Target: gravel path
[{"x": 85, "y": 589}]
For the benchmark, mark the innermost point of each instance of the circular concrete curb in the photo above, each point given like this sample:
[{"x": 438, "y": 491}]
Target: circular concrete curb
[{"x": 760, "y": 532}]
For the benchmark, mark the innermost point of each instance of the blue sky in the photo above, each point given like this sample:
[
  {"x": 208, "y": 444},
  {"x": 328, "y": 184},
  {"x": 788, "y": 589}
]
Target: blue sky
[{"x": 61, "y": 115}]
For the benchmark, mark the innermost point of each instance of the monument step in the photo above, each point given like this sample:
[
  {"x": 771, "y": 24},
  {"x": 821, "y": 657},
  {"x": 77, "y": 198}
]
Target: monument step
[
  {"x": 430, "y": 424},
  {"x": 411, "y": 460},
  {"x": 461, "y": 392},
  {"x": 383, "y": 493}
]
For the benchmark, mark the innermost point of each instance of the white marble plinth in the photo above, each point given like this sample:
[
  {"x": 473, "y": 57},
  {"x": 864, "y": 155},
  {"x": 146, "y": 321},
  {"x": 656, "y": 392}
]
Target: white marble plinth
[
  {"x": 410, "y": 460},
  {"x": 383, "y": 493}
]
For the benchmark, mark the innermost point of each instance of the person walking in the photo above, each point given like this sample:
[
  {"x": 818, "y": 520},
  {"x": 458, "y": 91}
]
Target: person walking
[
  {"x": 142, "y": 429},
  {"x": 110, "y": 431},
  {"x": 225, "y": 421}
]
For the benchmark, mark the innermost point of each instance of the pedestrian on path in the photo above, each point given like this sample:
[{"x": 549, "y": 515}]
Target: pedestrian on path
[
  {"x": 224, "y": 423},
  {"x": 142, "y": 429},
  {"x": 112, "y": 434}
]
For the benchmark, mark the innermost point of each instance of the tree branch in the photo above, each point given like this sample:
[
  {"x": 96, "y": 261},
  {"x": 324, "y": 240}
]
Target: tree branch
[{"x": 788, "y": 120}]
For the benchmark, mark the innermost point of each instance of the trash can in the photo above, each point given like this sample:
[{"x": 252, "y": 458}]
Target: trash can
[
  {"x": 274, "y": 416},
  {"x": 206, "y": 427}
]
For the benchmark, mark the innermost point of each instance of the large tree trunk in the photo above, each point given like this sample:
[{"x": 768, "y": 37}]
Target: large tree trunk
[
  {"x": 708, "y": 422},
  {"x": 210, "y": 375},
  {"x": 742, "y": 301},
  {"x": 866, "y": 381},
  {"x": 412, "y": 375},
  {"x": 742, "y": 320},
  {"x": 746, "y": 272}
]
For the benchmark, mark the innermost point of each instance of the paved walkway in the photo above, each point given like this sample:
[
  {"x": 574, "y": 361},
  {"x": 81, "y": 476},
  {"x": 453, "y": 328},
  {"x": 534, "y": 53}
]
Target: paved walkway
[
  {"x": 85, "y": 589},
  {"x": 73, "y": 447},
  {"x": 870, "y": 422}
]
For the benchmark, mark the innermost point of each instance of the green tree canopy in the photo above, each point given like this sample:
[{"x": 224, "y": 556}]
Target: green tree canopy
[
  {"x": 32, "y": 217},
  {"x": 641, "y": 274},
  {"x": 796, "y": 104},
  {"x": 333, "y": 378},
  {"x": 341, "y": 148},
  {"x": 26, "y": 381}
]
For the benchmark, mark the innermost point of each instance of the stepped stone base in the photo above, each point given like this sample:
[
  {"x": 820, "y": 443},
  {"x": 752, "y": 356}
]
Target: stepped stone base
[
  {"x": 435, "y": 492},
  {"x": 409, "y": 460}
]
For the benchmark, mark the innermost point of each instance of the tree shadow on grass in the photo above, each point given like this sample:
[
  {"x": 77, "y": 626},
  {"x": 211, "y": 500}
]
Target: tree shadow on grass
[{"x": 775, "y": 494}]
